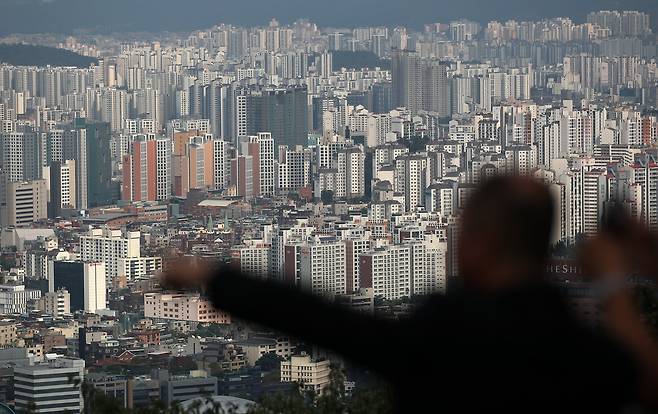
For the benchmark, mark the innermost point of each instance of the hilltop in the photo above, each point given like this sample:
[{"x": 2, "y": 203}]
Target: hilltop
[{"x": 31, "y": 55}]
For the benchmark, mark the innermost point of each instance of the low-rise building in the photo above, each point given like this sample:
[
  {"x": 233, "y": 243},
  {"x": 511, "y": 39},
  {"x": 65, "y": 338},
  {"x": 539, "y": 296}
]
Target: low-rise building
[
  {"x": 56, "y": 303},
  {"x": 142, "y": 392},
  {"x": 255, "y": 348},
  {"x": 147, "y": 336},
  {"x": 15, "y": 298},
  {"x": 111, "y": 386},
  {"x": 52, "y": 340},
  {"x": 25, "y": 203},
  {"x": 310, "y": 374},
  {"x": 182, "y": 388},
  {"x": 135, "y": 267},
  {"x": 53, "y": 386},
  {"x": 7, "y": 332},
  {"x": 182, "y": 306},
  {"x": 362, "y": 301},
  {"x": 226, "y": 354}
]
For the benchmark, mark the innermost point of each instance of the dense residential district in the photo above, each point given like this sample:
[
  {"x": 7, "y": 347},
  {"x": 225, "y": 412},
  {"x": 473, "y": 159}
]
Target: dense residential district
[{"x": 334, "y": 159}]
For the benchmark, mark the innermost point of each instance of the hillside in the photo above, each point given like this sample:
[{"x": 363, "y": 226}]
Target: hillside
[
  {"x": 358, "y": 60},
  {"x": 30, "y": 55}
]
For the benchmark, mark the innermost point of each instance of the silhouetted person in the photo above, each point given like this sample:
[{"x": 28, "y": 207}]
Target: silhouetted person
[{"x": 503, "y": 342}]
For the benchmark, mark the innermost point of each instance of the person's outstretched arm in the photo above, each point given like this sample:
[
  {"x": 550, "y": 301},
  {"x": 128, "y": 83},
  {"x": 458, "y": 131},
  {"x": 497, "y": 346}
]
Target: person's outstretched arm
[
  {"x": 356, "y": 336},
  {"x": 607, "y": 258}
]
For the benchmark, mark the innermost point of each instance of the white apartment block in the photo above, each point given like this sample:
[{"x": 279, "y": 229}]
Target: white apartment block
[
  {"x": 221, "y": 164},
  {"x": 139, "y": 126},
  {"x": 137, "y": 267},
  {"x": 350, "y": 177},
  {"x": 201, "y": 125},
  {"x": 412, "y": 176},
  {"x": 442, "y": 198},
  {"x": 75, "y": 148},
  {"x": 520, "y": 159},
  {"x": 379, "y": 126},
  {"x": 18, "y": 152},
  {"x": 387, "y": 270},
  {"x": 252, "y": 258},
  {"x": 428, "y": 266},
  {"x": 322, "y": 267},
  {"x": 109, "y": 246},
  {"x": 95, "y": 290},
  {"x": 182, "y": 103},
  {"x": 67, "y": 185},
  {"x": 576, "y": 134},
  {"x": 585, "y": 192},
  {"x": 264, "y": 150},
  {"x": 113, "y": 104},
  {"x": 326, "y": 180},
  {"x": 386, "y": 154},
  {"x": 644, "y": 182},
  {"x": 55, "y": 145},
  {"x": 281, "y": 237},
  {"x": 36, "y": 264},
  {"x": 294, "y": 168},
  {"x": 354, "y": 247}
]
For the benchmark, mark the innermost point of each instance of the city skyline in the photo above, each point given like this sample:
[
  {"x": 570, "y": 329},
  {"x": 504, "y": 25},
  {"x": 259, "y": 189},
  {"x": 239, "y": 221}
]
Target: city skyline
[{"x": 269, "y": 211}]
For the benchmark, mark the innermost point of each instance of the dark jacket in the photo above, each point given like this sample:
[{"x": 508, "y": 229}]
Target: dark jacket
[{"x": 518, "y": 351}]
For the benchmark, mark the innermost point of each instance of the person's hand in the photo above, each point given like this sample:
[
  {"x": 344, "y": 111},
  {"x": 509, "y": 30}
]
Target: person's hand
[
  {"x": 638, "y": 243},
  {"x": 186, "y": 273},
  {"x": 603, "y": 257},
  {"x": 606, "y": 263},
  {"x": 623, "y": 249}
]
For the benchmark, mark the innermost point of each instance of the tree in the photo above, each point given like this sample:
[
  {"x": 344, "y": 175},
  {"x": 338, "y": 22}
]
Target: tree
[
  {"x": 647, "y": 301},
  {"x": 269, "y": 362},
  {"x": 306, "y": 193},
  {"x": 294, "y": 402},
  {"x": 416, "y": 143},
  {"x": 371, "y": 400},
  {"x": 7, "y": 261},
  {"x": 333, "y": 399},
  {"x": 327, "y": 196},
  {"x": 215, "y": 369},
  {"x": 560, "y": 249},
  {"x": 97, "y": 402},
  {"x": 294, "y": 197},
  {"x": 182, "y": 365},
  {"x": 211, "y": 330}
]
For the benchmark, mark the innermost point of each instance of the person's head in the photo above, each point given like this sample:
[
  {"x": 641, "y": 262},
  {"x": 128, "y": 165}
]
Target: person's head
[{"x": 505, "y": 233}]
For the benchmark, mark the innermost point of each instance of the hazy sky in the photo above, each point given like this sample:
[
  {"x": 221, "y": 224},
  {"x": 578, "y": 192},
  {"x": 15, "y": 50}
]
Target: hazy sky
[{"x": 154, "y": 15}]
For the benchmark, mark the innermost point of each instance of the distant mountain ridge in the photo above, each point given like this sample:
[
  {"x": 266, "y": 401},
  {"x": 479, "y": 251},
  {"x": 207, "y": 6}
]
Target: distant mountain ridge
[
  {"x": 122, "y": 16},
  {"x": 31, "y": 55}
]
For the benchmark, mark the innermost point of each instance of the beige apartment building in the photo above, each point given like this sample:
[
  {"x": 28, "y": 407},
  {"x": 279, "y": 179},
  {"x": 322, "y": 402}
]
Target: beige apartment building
[
  {"x": 182, "y": 306},
  {"x": 310, "y": 374},
  {"x": 25, "y": 203},
  {"x": 7, "y": 333}
]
